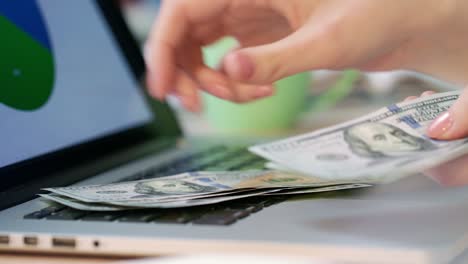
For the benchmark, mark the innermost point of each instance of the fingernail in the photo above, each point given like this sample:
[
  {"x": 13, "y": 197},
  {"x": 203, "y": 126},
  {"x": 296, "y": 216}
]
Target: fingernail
[
  {"x": 241, "y": 66},
  {"x": 409, "y": 98},
  {"x": 263, "y": 91},
  {"x": 440, "y": 126}
]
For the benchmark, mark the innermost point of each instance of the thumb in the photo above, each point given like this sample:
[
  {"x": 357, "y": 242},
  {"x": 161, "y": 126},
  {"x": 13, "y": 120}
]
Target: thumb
[
  {"x": 452, "y": 124},
  {"x": 265, "y": 64}
]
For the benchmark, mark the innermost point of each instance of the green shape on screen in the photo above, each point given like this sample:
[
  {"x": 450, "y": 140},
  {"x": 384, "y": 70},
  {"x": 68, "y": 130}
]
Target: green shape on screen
[{"x": 26, "y": 69}]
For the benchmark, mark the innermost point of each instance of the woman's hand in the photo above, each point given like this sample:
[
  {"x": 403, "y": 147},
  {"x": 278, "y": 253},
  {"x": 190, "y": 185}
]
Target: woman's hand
[
  {"x": 279, "y": 38},
  {"x": 452, "y": 124}
]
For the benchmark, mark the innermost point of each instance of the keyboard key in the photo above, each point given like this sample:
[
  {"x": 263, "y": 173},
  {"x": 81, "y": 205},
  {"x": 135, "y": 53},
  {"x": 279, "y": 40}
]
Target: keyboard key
[
  {"x": 44, "y": 212},
  {"x": 274, "y": 200},
  {"x": 140, "y": 216},
  {"x": 67, "y": 214},
  {"x": 214, "y": 158},
  {"x": 250, "y": 208},
  {"x": 101, "y": 216},
  {"x": 225, "y": 217},
  {"x": 182, "y": 216}
]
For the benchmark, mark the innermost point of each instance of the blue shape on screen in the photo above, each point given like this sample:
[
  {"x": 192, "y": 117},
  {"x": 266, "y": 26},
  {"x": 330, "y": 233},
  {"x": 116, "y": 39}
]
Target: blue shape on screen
[{"x": 29, "y": 19}]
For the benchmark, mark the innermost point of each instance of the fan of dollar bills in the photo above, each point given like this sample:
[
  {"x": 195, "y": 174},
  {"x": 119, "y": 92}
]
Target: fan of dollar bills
[
  {"x": 378, "y": 148},
  {"x": 190, "y": 189}
]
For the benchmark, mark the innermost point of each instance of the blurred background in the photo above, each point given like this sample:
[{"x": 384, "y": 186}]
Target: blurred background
[{"x": 368, "y": 92}]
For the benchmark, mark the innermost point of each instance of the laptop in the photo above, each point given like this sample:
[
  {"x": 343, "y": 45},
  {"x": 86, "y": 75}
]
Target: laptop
[{"x": 74, "y": 111}]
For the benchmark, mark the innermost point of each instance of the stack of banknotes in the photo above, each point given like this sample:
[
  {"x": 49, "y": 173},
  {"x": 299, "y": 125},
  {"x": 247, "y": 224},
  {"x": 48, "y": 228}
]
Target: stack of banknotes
[
  {"x": 191, "y": 189},
  {"x": 377, "y": 148}
]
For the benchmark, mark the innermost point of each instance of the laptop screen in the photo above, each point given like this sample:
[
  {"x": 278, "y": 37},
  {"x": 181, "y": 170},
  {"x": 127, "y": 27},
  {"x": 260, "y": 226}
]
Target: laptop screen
[{"x": 63, "y": 79}]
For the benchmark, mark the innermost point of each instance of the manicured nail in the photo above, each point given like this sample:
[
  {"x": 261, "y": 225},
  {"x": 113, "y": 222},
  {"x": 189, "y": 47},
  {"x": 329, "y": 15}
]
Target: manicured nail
[
  {"x": 263, "y": 91},
  {"x": 427, "y": 93},
  {"x": 409, "y": 98},
  {"x": 440, "y": 126},
  {"x": 241, "y": 67}
]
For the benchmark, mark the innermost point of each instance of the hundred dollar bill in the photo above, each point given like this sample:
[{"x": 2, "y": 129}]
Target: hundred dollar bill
[
  {"x": 157, "y": 189},
  {"x": 266, "y": 179},
  {"x": 189, "y": 202},
  {"x": 384, "y": 145},
  {"x": 132, "y": 205},
  {"x": 189, "y": 186},
  {"x": 70, "y": 202}
]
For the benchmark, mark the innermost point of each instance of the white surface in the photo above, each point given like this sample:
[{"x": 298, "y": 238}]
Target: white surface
[{"x": 229, "y": 259}]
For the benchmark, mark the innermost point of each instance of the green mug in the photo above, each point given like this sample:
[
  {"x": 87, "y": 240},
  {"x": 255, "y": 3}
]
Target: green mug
[{"x": 272, "y": 115}]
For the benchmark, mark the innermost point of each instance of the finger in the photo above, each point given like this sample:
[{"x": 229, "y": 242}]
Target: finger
[
  {"x": 427, "y": 93},
  {"x": 268, "y": 63},
  {"x": 452, "y": 124},
  {"x": 410, "y": 98},
  {"x": 160, "y": 70},
  {"x": 216, "y": 82},
  {"x": 213, "y": 82},
  {"x": 324, "y": 42},
  {"x": 424, "y": 94},
  {"x": 247, "y": 92},
  {"x": 187, "y": 91},
  {"x": 244, "y": 93},
  {"x": 169, "y": 32},
  {"x": 162, "y": 44}
]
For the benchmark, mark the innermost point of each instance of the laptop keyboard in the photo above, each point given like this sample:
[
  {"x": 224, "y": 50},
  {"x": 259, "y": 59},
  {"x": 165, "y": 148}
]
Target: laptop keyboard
[{"x": 218, "y": 158}]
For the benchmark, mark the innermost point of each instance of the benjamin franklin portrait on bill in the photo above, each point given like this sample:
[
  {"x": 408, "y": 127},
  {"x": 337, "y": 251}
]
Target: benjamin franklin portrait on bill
[
  {"x": 380, "y": 140},
  {"x": 170, "y": 187}
]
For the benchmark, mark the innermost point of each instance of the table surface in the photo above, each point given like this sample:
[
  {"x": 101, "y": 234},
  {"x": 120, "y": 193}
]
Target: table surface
[
  {"x": 51, "y": 259},
  {"x": 356, "y": 104}
]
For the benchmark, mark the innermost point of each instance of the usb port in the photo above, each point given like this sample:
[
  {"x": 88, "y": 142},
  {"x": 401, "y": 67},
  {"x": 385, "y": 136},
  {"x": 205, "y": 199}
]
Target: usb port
[
  {"x": 4, "y": 240},
  {"x": 63, "y": 242},
  {"x": 30, "y": 240}
]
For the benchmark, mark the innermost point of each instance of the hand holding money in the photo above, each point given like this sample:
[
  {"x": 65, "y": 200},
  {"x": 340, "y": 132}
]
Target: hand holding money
[
  {"x": 382, "y": 146},
  {"x": 377, "y": 148}
]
